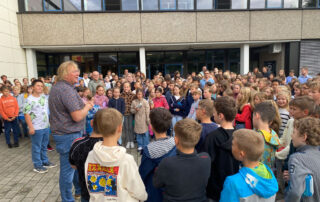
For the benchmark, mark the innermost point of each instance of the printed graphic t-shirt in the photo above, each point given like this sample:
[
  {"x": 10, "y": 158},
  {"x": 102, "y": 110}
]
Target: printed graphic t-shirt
[{"x": 37, "y": 108}]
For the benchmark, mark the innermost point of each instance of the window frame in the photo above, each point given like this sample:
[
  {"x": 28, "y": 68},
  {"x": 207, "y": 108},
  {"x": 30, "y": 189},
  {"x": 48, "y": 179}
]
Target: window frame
[
  {"x": 23, "y": 9},
  {"x": 45, "y": 10}
]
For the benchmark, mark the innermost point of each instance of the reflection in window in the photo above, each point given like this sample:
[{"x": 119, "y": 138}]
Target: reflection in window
[
  {"x": 167, "y": 4},
  {"x": 112, "y": 5},
  {"x": 148, "y": 5},
  {"x": 72, "y": 5},
  {"x": 204, "y": 4},
  {"x": 273, "y": 4},
  {"x": 92, "y": 5},
  {"x": 223, "y": 4},
  {"x": 185, "y": 4},
  {"x": 52, "y": 5},
  {"x": 130, "y": 5},
  {"x": 33, "y": 5},
  {"x": 239, "y": 4},
  {"x": 309, "y": 3},
  {"x": 257, "y": 3},
  {"x": 291, "y": 3}
]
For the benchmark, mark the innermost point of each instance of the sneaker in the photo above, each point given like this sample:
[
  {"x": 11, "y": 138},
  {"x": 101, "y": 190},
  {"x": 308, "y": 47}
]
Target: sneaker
[
  {"x": 9, "y": 146},
  {"x": 16, "y": 145},
  {"x": 49, "y": 165},
  {"x": 139, "y": 149},
  {"x": 128, "y": 145},
  {"x": 40, "y": 170},
  {"x": 132, "y": 145}
]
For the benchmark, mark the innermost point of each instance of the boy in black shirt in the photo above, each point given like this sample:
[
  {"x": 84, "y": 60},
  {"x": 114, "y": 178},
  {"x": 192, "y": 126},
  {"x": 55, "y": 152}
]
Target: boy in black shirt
[
  {"x": 184, "y": 177},
  {"x": 218, "y": 146},
  {"x": 78, "y": 156}
]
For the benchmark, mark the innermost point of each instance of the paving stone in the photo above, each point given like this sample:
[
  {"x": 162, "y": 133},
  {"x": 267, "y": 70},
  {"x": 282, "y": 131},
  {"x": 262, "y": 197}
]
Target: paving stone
[
  {"x": 18, "y": 198},
  {"x": 18, "y": 181}
]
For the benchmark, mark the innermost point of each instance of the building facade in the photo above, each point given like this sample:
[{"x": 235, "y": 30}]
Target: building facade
[
  {"x": 12, "y": 56},
  {"x": 169, "y": 35}
]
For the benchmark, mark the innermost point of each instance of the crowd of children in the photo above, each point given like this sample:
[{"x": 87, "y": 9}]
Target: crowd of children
[{"x": 215, "y": 136}]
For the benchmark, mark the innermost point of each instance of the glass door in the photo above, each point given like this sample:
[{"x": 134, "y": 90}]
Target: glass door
[
  {"x": 130, "y": 68},
  {"x": 172, "y": 68}
]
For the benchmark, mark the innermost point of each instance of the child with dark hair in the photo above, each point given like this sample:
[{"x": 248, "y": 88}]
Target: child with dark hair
[
  {"x": 37, "y": 119},
  {"x": 177, "y": 105},
  {"x": 160, "y": 100},
  {"x": 218, "y": 145},
  {"x": 153, "y": 153},
  {"x": 263, "y": 115}
]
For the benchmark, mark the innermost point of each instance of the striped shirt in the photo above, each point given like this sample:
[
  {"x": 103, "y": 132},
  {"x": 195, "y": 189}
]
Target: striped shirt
[{"x": 284, "y": 115}]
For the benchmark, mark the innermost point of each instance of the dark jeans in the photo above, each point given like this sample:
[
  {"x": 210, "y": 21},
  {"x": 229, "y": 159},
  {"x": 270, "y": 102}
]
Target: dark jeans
[
  {"x": 8, "y": 125},
  {"x": 24, "y": 127}
]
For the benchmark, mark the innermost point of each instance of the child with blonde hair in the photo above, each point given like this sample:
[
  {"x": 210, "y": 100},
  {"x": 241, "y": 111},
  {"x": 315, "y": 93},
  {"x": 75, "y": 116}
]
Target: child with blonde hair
[
  {"x": 141, "y": 109},
  {"x": 111, "y": 173},
  {"x": 243, "y": 117},
  {"x": 255, "y": 181},
  {"x": 283, "y": 99}
]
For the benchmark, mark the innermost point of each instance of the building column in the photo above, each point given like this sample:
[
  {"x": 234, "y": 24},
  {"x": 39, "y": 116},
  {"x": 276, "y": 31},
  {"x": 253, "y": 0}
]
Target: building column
[
  {"x": 31, "y": 63},
  {"x": 142, "y": 54},
  {"x": 244, "y": 59}
]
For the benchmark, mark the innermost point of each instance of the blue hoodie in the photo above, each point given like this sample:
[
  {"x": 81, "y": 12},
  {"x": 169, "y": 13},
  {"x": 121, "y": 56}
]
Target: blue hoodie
[
  {"x": 152, "y": 155},
  {"x": 247, "y": 185}
]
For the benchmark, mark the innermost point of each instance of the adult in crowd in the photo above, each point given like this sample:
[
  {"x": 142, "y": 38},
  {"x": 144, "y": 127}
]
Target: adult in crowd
[
  {"x": 95, "y": 82},
  {"x": 67, "y": 120},
  {"x": 303, "y": 78},
  {"x": 291, "y": 76},
  {"x": 86, "y": 79},
  {"x": 206, "y": 79},
  {"x": 204, "y": 69},
  {"x": 265, "y": 72}
]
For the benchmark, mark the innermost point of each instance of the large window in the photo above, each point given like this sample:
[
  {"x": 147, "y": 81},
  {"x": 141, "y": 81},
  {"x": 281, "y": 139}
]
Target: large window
[
  {"x": 72, "y": 5},
  {"x": 223, "y": 4},
  {"x": 204, "y": 4},
  {"x": 33, "y": 5},
  {"x": 108, "y": 61},
  {"x": 167, "y": 4},
  {"x": 239, "y": 4},
  {"x": 148, "y": 5},
  {"x": 273, "y": 4},
  {"x": 185, "y": 4},
  {"x": 92, "y": 5},
  {"x": 112, "y": 5},
  {"x": 257, "y": 3},
  {"x": 309, "y": 3},
  {"x": 291, "y": 4},
  {"x": 231, "y": 4},
  {"x": 130, "y": 5},
  {"x": 52, "y": 5}
]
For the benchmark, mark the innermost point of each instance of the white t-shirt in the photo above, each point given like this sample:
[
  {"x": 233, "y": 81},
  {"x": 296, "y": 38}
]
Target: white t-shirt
[{"x": 37, "y": 108}]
